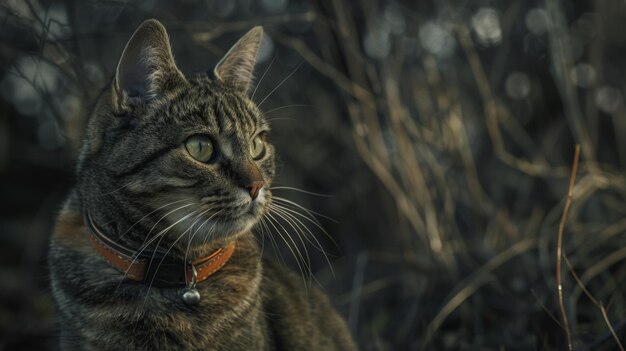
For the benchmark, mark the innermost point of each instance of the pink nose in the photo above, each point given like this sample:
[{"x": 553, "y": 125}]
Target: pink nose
[{"x": 254, "y": 188}]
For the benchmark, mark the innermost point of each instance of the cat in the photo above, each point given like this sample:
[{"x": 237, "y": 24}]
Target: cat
[{"x": 153, "y": 248}]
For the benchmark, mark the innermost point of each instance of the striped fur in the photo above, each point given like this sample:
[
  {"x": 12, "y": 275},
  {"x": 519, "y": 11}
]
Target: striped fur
[{"x": 143, "y": 189}]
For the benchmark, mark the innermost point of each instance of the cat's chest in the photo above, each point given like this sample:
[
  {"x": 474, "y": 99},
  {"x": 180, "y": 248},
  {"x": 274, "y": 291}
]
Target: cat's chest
[
  {"x": 109, "y": 311},
  {"x": 176, "y": 330},
  {"x": 158, "y": 319}
]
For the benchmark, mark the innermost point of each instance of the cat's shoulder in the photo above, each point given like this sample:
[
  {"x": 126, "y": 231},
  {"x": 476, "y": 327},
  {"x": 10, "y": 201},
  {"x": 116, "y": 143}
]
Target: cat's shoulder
[
  {"x": 69, "y": 227},
  {"x": 302, "y": 316}
]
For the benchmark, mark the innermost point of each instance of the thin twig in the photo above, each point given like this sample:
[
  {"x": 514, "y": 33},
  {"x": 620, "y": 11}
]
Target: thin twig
[
  {"x": 598, "y": 304},
  {"x": 490, "y": 106},
  {"x": 559, "y": 246},
  {"x": 562, "y": 63},
  {"x": 470, "y": 285},
  {"x": 204, "y": 31},
  {"x": 358, "y": 92},
  {"x": 545, "y": 308}
]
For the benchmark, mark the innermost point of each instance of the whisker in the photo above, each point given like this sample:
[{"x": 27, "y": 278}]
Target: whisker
[
  {"x": 263, "y": 76},
  {"x": 202, "y": 225},
  {"x": 300, "y": 190},
  {"x": 161, "y": 235},
  {"x": 310, "y": 212},
  {"x": 211, "y": 233},
  {"x": 286, "y": 215},
  {"x": 144, "y": 246},
  {"x": 144, "y": 217},
  {"x": 156, "y": 236},
  {"x": 300, "y": 233},
  {"x": 284, "y": 107},
  {"x": 180, "y": 237},
  {"x": 304, "y": 231},
  {"x": 162, "y": 218},
  {"x": 280, "y": 215},
  {"x": 280, "y": 119},
  {"x": 196, "y": 232},
  {"x": 272, "y": 240},
  {"x": 310, "y": 219},
  {"x": 169, "y": 249},
  {"x": 116, "y": 190},
  {"x": 261, "y": 234},
  {"x": 299, "y": 259},
  {"x": 279, "y": 84}
]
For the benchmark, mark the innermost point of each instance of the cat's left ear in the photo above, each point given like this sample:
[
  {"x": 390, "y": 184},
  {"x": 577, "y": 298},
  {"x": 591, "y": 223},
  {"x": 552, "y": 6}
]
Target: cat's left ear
[
  {"x": 146, "y": 69},
  {"x": 235, "y": 68}
]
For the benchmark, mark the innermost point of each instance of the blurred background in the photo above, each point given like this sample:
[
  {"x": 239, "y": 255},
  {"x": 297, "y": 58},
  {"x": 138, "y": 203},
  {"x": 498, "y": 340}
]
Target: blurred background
[{"x": 440, "y": 133}]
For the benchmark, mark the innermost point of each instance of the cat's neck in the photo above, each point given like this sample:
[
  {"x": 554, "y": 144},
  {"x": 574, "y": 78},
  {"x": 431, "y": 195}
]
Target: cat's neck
[{"x": 146, "y": 235}]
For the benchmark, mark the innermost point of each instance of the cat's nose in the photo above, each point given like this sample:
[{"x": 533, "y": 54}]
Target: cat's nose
[
  {"x": 249, "y": 177},
  {"x": 254, "y": 188}
]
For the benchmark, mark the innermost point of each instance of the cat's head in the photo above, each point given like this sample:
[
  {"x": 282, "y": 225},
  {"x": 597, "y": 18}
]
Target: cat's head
[{"x": 174, "y": 156}]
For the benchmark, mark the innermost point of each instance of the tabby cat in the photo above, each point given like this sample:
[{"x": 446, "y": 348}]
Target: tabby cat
[{"x": 153, "y": 249}]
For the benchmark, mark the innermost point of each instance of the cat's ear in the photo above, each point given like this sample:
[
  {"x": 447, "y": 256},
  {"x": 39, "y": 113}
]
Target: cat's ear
[
  {"x": 235, "y": 68},
  {"x": 146, "y": 69}
]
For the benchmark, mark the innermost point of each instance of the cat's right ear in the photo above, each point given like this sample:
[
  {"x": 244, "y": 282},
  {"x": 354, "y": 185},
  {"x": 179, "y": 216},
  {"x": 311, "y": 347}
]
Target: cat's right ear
[{"x": 146, "y": 69}]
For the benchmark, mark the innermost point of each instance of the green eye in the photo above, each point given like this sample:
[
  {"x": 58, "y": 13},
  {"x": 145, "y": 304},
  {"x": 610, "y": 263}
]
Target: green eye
[
  {"x": 257, "y": 147},
  {"x": 200, "y": 147}
]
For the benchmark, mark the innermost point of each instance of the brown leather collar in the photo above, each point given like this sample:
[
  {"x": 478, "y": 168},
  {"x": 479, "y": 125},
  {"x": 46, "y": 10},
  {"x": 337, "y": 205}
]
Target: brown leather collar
[{"x": 155, "y": 267}]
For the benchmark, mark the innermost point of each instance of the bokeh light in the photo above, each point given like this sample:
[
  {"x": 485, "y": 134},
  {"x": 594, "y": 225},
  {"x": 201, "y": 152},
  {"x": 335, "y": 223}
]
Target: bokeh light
[
  {"x": 583, "y": 75},
  {"x": 537, "y": 21},
  {"x": 487, "y": 26},
  {"x": 437, "y": 40},
  {"x": 272, "y": 6},
  {"x": 376, "y": 45},
  {"x": 220, "y": 8},
  {"x": 517, "y": 85},
  {"x": 609, "y": 99},
  {"x": 394, "y": 17}
]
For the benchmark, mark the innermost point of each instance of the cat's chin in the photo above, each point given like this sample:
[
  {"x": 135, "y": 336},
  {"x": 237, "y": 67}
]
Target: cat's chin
[
  {"x": 216, "y": 228},
  {"x": 225, "y": 228}
]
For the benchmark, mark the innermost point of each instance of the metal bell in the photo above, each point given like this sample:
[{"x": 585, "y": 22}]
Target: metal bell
[{"x": 191, "y": 296}]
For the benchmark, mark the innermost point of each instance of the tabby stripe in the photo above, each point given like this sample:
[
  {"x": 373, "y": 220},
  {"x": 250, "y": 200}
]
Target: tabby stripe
[
  {"x": 164, "y": 187},
  {"x": 141, "y": 164},
  {"x": 219, "y": 117},
  {"x": 246, "y": 115},
  {"x": 231, "y": 115}
]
